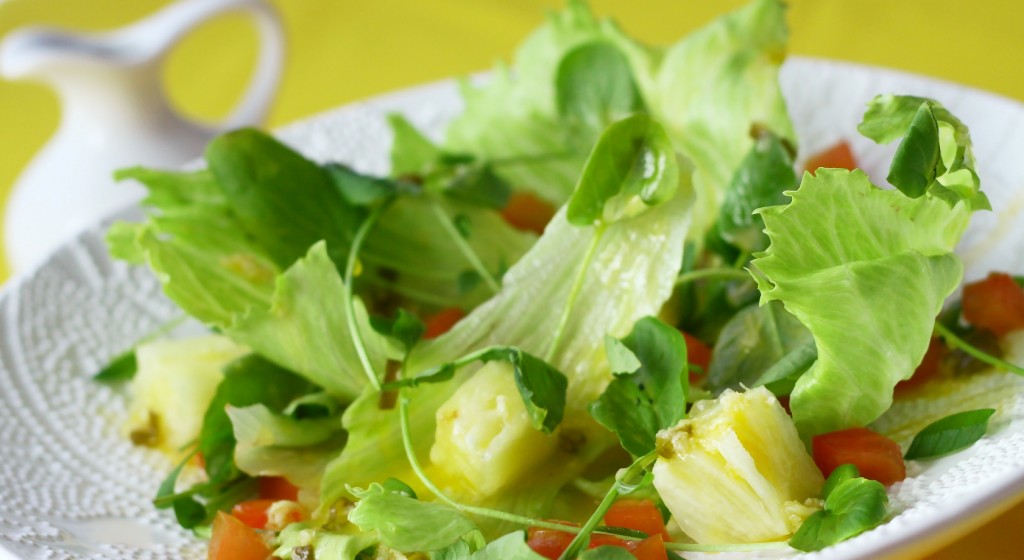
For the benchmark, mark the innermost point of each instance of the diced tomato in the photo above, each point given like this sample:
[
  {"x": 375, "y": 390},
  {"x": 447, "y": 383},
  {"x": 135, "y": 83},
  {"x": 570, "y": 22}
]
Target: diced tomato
[
  {"x": 995, "y": 304},
  {"x": 277, "y": 488},
  {"x": 651, "y": 548},
  {"x": 234, "y": 540},
  {"x": 442, "y": 321},
  {"x": 875, "y": 456},
  {"x": 253, "y": 512},
  {"x": 927, "y": 371},
  {"x": 838, "y": 156},
  {"x": 526, "y": 212},
  {"x": 698, "y": 354},
  {"x": 639, "y": 515},
  {"x": 550, "y": 543}
]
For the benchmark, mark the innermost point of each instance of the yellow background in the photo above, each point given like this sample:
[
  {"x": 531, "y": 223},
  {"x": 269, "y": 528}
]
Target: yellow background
[{"x": 344, "y": 50}]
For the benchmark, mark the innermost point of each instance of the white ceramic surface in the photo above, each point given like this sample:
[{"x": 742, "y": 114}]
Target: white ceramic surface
[
  {"x": 72, "y": 487},
  {"x": 114, "y": 113}
]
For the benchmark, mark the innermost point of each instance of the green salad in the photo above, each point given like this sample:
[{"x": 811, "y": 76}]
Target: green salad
[{"x": 603, "y": 318}]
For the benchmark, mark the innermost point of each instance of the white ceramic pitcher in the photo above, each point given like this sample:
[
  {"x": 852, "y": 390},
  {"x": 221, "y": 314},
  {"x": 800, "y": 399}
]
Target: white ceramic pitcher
[{"x": 115, "y": 114}]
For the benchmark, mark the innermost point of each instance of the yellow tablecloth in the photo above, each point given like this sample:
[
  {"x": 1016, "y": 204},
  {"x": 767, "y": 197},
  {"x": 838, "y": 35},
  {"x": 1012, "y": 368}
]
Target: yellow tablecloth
[{"x": 343, "y": 50}]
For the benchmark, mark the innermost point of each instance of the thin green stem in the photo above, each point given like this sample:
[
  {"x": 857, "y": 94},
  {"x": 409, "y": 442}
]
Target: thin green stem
[
  {"x": 350, "y": 309},
  {"x": 464, "y": 247},
  {"x": 574, "y": 292},
  {"x": 580, "y": 539},
  {"x": 956, "y": 342},
  {"x": 724, "y": 273}
]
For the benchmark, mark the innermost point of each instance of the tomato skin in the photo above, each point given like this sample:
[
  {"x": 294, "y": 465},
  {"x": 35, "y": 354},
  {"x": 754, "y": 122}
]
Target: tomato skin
[
  {"x": 639, "y": 515},
  {"x": 548, "y": 542},
  {"x": 838, "y": 156},
  {"x": 234, "y": 540},
  {"x": 651, "y": 548},
  {"x": 698, "y": 354},
  {"x": 252, "y": 512},
  {"x": 995, "y": 304},
  {"x": 442, "y": 321},
  {"x": 526, "y": 212},
  {"x": 926, "y": 371},
  {"x": 875, "y": 456},
  {"x": 278, "y": 488}
]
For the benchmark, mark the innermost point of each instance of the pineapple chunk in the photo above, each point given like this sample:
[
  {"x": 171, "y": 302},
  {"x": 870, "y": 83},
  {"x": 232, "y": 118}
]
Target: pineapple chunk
[
  {"x": 484, "y": 437},
  {"x": 736, "y": 471},
  {"x": 175, "y": 382}
]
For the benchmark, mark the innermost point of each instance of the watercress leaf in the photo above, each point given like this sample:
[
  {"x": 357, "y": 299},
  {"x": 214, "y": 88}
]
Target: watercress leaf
[
  {"x": 188, "y": 512},
  {"x": 637, "y": 406},
  {"x": 405, "y": 327},
  {"x": 632, "y": 166},
  {"x": 439, "y": 374},
  {"x": 755, "y": 340},
  {"x": 621, "y": 409},
  {"x": 606, "y": 552},
  {"x": 542, "y": 387},
  {"x": 120, "y": 368},
  {"x": 621, "y": 359},
  {"x": 594, "y": 87},
  {"x": 247, "y": 381},
  {"x": 508, "y": 547},
  {"x": 952, "y": 433},
  {"x": 913, "y": 167},
  {"x": 281, "y": 199},
  {"x": 759, "y": 181},
  {"x": 468, "y": 280},
  {"x": 412, "y": 153},
  {"x": 479, "y": 185},
  {"x": 854, "y": 506},
  {"x": 363, "y": 190},
  {"x": 841, "y": 474},
  {"x": 407, "y": 524}
]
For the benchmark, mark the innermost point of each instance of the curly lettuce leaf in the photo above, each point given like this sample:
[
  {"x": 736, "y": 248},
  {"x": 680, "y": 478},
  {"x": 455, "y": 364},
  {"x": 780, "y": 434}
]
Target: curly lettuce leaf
[
  {"x": 867, "y": 271},
  {"x": 407, "y": 524}
]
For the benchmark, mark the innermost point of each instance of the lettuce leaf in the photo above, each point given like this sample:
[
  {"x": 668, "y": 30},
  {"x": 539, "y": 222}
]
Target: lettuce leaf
[
  {"x": 712, "y": 88},
  {"x": 867, "y": 271}
]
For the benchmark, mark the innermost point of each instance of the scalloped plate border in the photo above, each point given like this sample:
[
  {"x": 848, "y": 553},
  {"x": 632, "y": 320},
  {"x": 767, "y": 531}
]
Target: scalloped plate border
[{"x": 75, "y": 488}]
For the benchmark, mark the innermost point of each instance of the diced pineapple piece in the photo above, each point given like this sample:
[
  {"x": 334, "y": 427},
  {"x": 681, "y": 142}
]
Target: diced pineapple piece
[
  {"x": 484, "y": 436},
  {"x": 174, "y": 385},
  {"x": 736, "y": 471}
]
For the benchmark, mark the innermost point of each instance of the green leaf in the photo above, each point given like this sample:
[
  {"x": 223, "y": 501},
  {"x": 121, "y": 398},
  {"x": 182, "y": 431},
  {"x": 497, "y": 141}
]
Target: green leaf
[
  {"x": 479, "y": 185},
  {"x": 247, "y": 381},
  {"x": 633, "y": 166},
  {"x": 637, "y": 406},
  {"x": 121, "y": 368},
  {"x": 852, "y": 507},
  {"x": 841, "y": 474},
  {"x": 407, "y": 524},
  {"x": 508, "y": 547},
  {"x": 594, "y": 87},
  {"x": 913, "y": 167},
  {"x": 753, "y": 342},
  {"x": 620, "y": 357},
  {"x": 459, "y": 550},
  {"x": 321, "y": 544},
  {"x": 406, "y": 328},
  {"x": 412, "y": 153},
  {"x": 541, "y": 385},
  {"x": 950, "y": 434},
  {"x": 395, "y": 486},
  {"x": 280, "y": 199},
  {"x": 762, "y": 176},
  {"x": 788, "y": 368},
  {"x": 935, "y": 155},
  {"x": 841, "y": 257},
  {"x": 606, "y": 552},
  {"x": 363, "y": 190}
]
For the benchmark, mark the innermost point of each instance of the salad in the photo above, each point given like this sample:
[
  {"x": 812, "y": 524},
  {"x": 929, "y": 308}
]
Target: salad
[{"x": 604, "y": 317}]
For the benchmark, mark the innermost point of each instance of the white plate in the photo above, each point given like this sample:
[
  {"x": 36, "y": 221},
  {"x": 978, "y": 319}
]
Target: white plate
[{"x": 71, "y": 486}]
